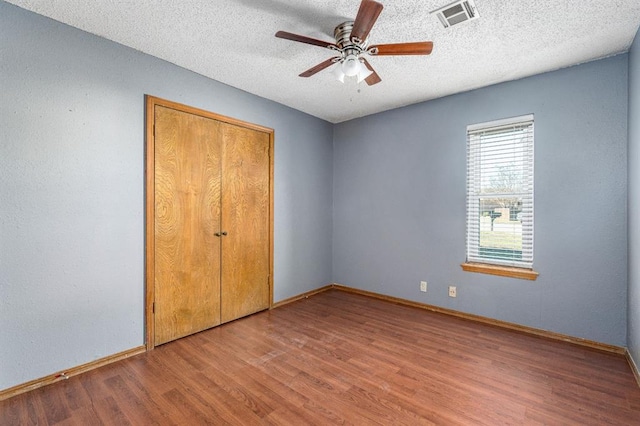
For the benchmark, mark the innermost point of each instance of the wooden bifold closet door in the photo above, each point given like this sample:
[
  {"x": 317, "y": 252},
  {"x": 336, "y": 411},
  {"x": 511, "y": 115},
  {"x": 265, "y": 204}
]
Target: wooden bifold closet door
[
  {"x": 209, "y": 220},
  {"x": 245, "y": 215}
]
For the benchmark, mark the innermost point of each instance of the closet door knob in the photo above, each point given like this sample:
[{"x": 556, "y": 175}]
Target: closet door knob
[
  {"x": 224, "y": 232},
  {"x": 217, "y": 234}
]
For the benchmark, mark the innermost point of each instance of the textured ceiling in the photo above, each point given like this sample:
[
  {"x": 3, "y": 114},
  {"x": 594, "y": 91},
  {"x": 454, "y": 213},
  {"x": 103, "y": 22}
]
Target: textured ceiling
[{"x": 233, "y": 41}]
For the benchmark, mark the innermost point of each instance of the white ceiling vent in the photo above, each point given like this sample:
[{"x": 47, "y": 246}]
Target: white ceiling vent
[{"x": 457, "y": 12}]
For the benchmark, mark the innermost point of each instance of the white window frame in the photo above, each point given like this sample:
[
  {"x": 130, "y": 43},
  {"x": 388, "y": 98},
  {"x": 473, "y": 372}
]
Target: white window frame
[{"x": 480, "y": 133}]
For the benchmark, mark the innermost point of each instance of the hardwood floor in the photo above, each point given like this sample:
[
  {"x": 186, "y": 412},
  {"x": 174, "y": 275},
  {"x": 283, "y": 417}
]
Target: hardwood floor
[{"x": 341, "y": 358}]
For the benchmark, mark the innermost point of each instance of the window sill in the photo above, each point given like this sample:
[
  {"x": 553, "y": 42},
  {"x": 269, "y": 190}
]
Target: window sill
[{"x": 503, "y": 271}]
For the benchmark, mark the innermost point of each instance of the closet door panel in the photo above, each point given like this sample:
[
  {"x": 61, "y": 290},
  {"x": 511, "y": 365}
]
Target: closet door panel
[
  {"x": 245, "y": 219},
  {"x": 187, "y": 216}
]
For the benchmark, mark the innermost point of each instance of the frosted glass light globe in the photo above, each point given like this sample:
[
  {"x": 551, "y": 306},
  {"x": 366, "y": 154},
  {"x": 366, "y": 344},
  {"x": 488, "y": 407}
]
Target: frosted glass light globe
[
  {"x": 351, "y": 65},
  {"x": 337, "y": 71}
]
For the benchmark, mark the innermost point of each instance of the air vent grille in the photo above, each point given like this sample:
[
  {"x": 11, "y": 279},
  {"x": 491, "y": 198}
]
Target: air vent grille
[{"x": 455, "y": 13}]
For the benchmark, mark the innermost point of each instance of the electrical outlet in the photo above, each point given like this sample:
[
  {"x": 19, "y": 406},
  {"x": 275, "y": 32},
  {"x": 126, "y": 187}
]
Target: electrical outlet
[
  {"x": 452, "y": 291},
  {"x": 423, "y": 286}
]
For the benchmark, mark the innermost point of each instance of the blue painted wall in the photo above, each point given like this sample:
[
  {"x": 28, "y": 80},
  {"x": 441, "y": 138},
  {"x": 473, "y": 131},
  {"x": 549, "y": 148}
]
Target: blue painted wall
[
  {"x": 72, "y": 201},
  {"x": 399, "y": 202},
  {"x": 633, "y": 337},
  {"x": 72, "y": 191}
]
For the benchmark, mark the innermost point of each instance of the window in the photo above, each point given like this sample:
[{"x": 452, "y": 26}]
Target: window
[{"x": 500, "y": 193}]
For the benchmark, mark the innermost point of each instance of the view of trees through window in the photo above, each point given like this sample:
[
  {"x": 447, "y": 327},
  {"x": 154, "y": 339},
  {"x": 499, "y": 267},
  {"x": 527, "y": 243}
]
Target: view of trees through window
[
  {"x": 500, "y": 223},
  {"x": 501, "y": 186}
]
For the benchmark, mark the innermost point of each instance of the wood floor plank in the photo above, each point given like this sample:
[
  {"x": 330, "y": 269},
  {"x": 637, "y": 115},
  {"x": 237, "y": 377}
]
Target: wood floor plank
[
  {"x": 188, "y": 409},
  {"x": 135, "y": 407},
  {"x": 108, "y": 411},
  {"x": 15, "y": 411},
  {"x": 343, "y": 358},
  {"x": 83, "y": 416}
]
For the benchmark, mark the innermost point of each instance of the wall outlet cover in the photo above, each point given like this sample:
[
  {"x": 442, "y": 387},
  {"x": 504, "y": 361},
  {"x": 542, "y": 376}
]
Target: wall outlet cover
[{"x": 452, "y": 291}]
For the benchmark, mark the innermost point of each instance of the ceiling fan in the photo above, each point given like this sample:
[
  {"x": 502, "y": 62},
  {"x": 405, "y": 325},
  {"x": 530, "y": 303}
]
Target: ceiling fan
[{"x": 352, "y": 42}]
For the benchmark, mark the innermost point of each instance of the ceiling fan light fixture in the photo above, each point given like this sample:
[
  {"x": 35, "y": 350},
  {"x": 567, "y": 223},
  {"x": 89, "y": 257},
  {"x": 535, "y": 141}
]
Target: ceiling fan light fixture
[
  {"x": 338, "y": 73},
  {"x": 351, "y": 65},
  {"x": 363, "y": 73}
]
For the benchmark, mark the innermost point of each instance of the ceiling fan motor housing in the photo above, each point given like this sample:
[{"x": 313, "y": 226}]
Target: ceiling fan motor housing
[{"x": 342, "y": 34}]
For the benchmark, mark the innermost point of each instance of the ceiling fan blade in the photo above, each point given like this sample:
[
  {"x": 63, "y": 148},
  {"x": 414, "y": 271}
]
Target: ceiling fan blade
[
  {"x": 366, "y": 17},
  {"x": 319, "y": 67},
  {"x": 374, "y": 78},
  {"x": 304, "y": 39},
  {"x": 416, "y": 48}
]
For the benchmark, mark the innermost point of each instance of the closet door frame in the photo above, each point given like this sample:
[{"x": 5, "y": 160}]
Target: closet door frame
[{"x": 150, "y": 103}]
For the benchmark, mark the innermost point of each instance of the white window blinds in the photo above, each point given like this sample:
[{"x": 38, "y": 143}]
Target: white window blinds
[{"x": 500, "y": 192}]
